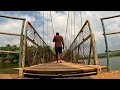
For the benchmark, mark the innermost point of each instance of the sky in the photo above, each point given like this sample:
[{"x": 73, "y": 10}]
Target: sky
[{"x": 56, "y": 21}]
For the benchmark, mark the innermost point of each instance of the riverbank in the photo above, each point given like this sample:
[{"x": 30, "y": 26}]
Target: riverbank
[{"x": 113, "y": 74}]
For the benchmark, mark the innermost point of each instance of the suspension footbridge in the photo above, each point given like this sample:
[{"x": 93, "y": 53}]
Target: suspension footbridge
[{"x": 36, "y": 59}]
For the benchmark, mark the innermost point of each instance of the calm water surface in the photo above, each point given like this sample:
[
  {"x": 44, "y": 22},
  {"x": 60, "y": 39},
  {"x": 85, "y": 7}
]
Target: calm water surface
[{"x": 114, "y": 62}]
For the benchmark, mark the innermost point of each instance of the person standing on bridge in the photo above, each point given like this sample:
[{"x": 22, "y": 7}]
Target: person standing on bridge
[{"x": 58, "y": 45}]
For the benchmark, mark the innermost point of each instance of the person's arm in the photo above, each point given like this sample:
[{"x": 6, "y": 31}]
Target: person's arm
[
  {"x": 54, "y": 39},
  {"x": 63, "y": 43}
]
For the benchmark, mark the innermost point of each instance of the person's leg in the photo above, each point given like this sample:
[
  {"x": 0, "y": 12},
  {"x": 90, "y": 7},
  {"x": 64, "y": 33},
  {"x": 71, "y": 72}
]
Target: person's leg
[
  {"x": 60, "y": 53},
  {"x": 60, "y": 57},
  {"x": 56, "y": 50}
]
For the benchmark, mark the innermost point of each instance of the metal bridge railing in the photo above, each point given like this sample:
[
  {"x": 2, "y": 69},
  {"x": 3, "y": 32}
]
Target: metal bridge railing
[
  {"x": 106, "y": 38},
  {"x": 83, "y": 48},
  {"x": 15, "y": 35},
  {"x": 35, "y": 50},
  {"x": 32, "y": 50}
]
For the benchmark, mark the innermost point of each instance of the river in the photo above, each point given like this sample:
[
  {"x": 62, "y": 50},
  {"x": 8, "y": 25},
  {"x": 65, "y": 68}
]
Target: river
[{"x": 114, "y": 62}]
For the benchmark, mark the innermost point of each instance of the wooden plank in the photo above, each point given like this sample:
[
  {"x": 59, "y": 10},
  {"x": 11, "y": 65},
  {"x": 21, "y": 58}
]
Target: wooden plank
[
  {"x": 33, "y": 74},
  {"x": 59, "y": 68},
  {"x": 64, "y": 68},
  {"x": 76, "y": 65},
  {"x": 44, "y": 71},
  {"x": 102, "y": 67},
  {"x": 60, "y": 75},
  {"x": 99, "y": 68},
  {"x": 79, "y": 74}
]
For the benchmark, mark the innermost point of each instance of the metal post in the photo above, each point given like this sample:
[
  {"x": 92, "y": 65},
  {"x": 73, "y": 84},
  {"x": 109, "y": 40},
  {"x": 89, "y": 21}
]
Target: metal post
[
  {"x": 24, "y": 46},
  {"x": 106, "y": 44},
  {"x": 94, "y": 49},
  {"x": 96, "y": 62},
  {"x": 72, "y": 57},
  {"x": 21, "y": 45}
]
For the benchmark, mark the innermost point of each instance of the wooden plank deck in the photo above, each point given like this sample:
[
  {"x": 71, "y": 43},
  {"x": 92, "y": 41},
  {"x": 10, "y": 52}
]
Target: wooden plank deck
[{"x": 62, "y": 69}]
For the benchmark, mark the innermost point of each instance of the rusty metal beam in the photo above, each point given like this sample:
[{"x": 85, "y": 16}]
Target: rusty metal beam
[
  {"x": 2, "y": 51},
  {"x": 82, "y": 41},
  {"x": 10, "y": 34},
  {"x": 36, "y": 32},
  {"x": 12, "y": 17},
  {"x": 111, "y": 17},
  {"x": 32, "y": 41},
  {"x": 112, "y": 33}
]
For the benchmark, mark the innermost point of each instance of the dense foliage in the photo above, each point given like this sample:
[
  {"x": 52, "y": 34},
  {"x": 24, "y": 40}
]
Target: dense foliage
[{"x": 9, "y": 57}]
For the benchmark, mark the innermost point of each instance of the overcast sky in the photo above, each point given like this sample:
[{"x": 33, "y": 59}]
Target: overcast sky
[{"x": 59, "y": 21}]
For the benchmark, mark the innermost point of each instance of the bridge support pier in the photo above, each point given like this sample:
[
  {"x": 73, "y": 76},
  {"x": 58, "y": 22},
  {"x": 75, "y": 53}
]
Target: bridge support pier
[
  {"x": 21, "y": 73},
  {"x": 99, "y": 71}
]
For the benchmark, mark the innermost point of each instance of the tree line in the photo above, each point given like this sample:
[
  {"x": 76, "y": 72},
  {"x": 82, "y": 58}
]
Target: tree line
[
  {"x": 9, "y": 57},
  {"x": 111, "y": 54}
]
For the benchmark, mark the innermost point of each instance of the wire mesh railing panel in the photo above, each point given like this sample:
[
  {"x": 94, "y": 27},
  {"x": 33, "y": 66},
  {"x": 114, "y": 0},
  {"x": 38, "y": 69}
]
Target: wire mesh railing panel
[
  {"x": 83, "y": 48},
  {"x": 37, "y": 51}
]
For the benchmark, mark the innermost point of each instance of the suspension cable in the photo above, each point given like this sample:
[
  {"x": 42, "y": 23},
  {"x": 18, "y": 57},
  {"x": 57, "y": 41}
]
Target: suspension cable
[
  {"x": 71, "y": 27},
  {"x": 81, "y": 17},
  {"x": 66, "y": 26},
  {"x": 52, "y": 23},
  {"x": 74, "y": 23},
  {"x": 49, "y": 31},
  {"x": 43, "y": 25},
  {"x": 43, "y": 34},
  {"x": 35, "y": 20},
  {"x": 47, "y": 27},
  {"x": 69, "y": 32}
]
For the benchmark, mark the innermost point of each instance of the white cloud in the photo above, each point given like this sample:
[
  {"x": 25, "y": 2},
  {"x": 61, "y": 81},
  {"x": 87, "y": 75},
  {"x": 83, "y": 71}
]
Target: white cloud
[
  {"x": 59, "y": 20},
  {"x": 111, "y": 25},
  {"x": 12, "y": 26}
]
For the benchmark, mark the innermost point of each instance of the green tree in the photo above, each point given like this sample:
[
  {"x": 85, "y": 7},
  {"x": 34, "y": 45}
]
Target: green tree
[
  {"x": 14, "y": 48},
  {"x": 9, "y": 56},
  {"x": 8, "y": 47}
]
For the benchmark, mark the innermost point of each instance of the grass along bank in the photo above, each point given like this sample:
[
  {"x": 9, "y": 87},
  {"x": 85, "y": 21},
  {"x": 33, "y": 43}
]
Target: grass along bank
[{"x": 8, "y": 68}]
